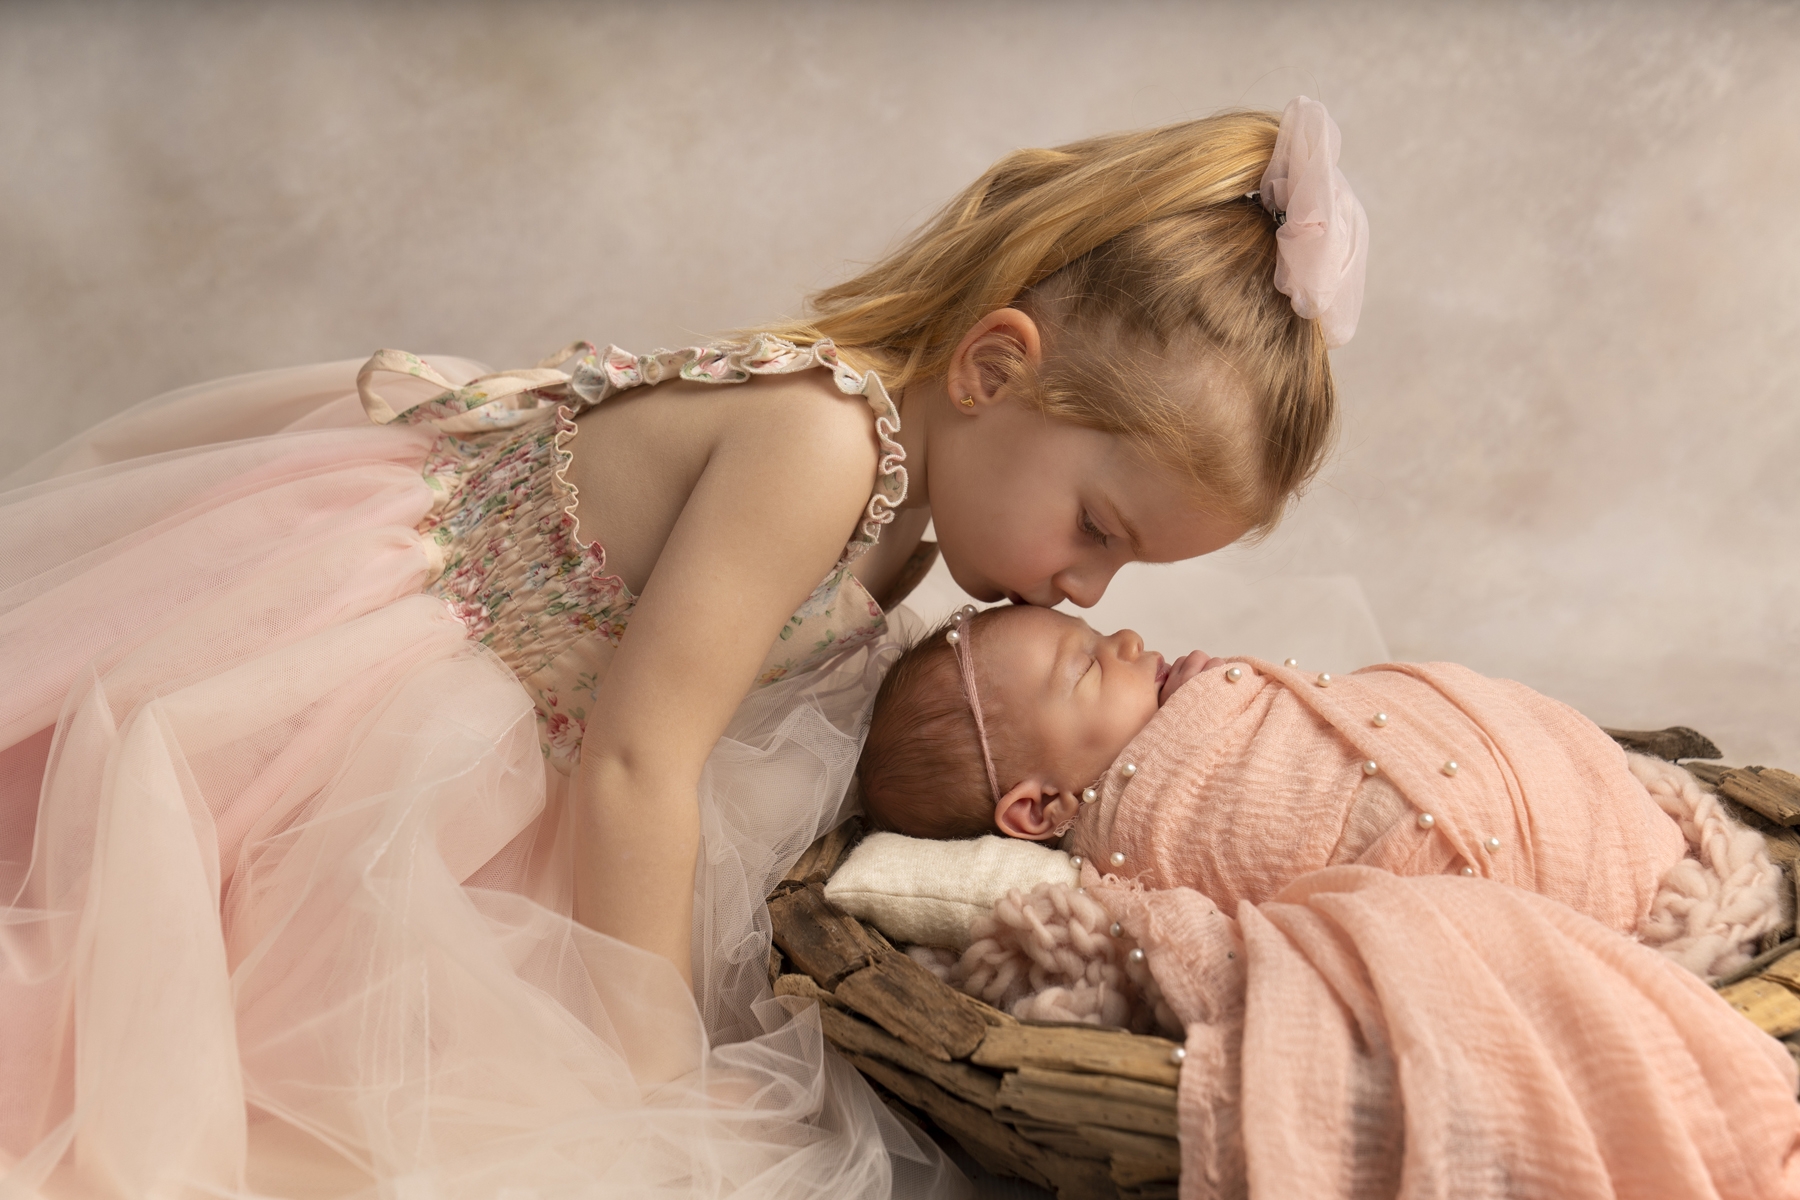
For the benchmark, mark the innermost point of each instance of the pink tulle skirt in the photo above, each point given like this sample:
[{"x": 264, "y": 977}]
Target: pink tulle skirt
[{"x": 284, "y": 899}]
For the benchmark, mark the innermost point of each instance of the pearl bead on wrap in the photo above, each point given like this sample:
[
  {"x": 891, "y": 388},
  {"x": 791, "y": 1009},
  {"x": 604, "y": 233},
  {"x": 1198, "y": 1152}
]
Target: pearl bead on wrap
[
  {"x": 1492, "y": 844},
  {"x": 1089, "y": 795},
  {"x": 1075, "y": 861},
  {"x": 1118, "y": 858},
  {"x": 1290, "y": 662},
  {"x": 1426, "y": 820},
  {"x": 1450, "y": 768},
  {"x": 1324, "y": 679},
  {"x": 1128, "y": 770},
  {"x": 1234, "y": 674},
  {"x": 953, "y": 637},
  {"x": 1116, "y": 929},
  {"x": 1379, "y": 719},
  {"x": 1137, "y": 955},
  {"x": 1370, "y": 767},
  {"x": 1178, "y": 1055},
  {"x": 1468, "y": 870}
]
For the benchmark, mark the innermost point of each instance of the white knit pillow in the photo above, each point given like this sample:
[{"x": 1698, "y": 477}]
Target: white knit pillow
[{"x": 927, "y": 892}]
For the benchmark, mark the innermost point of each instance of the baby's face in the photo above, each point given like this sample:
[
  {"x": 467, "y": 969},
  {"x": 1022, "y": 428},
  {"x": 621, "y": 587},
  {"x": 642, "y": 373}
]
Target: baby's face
[{"x": 1075, "y": 696}]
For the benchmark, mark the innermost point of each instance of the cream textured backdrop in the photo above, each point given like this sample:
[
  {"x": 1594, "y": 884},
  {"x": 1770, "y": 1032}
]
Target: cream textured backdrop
[{"x": 1571, "y": 430}]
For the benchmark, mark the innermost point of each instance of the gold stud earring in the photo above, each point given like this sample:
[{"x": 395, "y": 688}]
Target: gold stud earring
[{"x": 967, "y": 402}]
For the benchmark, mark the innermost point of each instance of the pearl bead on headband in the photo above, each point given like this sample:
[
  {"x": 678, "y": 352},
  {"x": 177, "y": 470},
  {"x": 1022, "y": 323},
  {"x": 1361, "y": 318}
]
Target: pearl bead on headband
[
  {"x": 1322, "y": 243},
  {"x": 961, "y": 642}
]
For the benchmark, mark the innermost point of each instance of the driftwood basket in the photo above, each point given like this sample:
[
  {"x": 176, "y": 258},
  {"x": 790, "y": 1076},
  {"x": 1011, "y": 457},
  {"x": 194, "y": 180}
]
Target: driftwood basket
[
  {"x": 1089, "y": 1113},
  {"x": 1085, "y": 1112},
  {"x": 1767, "y": 989}
]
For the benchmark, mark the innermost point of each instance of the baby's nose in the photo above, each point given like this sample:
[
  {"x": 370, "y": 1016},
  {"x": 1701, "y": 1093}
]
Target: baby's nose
[{"x": 1128, "y": 645}]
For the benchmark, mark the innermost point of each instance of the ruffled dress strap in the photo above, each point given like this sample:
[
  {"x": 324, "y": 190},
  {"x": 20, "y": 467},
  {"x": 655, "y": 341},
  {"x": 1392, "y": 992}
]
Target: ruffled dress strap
[
  {"x": 501, "y": 400},
  {"x": 507, "y": 399}
]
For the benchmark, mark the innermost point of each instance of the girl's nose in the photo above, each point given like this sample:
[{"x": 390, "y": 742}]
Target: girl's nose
[{"x": 1084, "y": 585}]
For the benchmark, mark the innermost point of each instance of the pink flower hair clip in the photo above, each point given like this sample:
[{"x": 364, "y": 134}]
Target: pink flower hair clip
[{"x": 1322, "y": 239}]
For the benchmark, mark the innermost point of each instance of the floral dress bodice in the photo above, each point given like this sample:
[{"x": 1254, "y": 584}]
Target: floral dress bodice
[{"x": 508, "y": 557}]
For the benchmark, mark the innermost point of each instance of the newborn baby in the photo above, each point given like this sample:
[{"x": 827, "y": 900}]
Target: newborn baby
[
  {"x": 1235, "y": 776},
  {"x": 1329, "y": 1015}
]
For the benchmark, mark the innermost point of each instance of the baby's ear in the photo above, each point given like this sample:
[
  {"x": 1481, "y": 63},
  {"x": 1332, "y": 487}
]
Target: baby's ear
[{"x": 1030, "y": 811}]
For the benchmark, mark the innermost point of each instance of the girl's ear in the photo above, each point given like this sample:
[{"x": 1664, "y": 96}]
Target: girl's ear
[
  {"x": 983, "y": 361},
  {"x": 1033, "y": 811}
]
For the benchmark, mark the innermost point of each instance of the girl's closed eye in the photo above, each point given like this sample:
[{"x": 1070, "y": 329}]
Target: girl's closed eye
[{"x": 1087, "y": 526}]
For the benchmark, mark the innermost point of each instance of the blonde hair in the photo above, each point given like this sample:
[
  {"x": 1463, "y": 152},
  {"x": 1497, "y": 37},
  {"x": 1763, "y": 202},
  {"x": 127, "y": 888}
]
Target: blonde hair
[{"x": 1117, "y": 245}]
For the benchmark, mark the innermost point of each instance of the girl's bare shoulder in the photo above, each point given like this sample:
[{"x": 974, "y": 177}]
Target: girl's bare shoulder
[
  {"x": 639, "y": 457},
  {"x": 804, "y": 412}
]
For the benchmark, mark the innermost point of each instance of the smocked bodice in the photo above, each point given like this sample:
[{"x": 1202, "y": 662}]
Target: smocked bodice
[{"x": 512, "y": 565}]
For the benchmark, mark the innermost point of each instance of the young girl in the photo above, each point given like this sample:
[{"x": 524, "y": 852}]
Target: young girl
[
  {"x": 359, "y": 745},
  {"x": 1235, "y": 777}
]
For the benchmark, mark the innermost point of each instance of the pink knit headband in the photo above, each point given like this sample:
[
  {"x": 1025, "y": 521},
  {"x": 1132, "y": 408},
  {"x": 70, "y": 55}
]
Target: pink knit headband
[
  {"x": 1322, "y": 245},
  {"x": 962, "y": 643}
]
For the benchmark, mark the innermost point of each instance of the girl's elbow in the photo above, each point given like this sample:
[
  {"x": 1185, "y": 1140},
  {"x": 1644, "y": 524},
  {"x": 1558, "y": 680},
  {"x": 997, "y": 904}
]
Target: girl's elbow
[{"x": 616, "y": 770}]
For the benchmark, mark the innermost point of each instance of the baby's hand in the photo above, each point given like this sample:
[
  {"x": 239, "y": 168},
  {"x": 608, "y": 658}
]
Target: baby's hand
[{"x": 1185, "y": 668}]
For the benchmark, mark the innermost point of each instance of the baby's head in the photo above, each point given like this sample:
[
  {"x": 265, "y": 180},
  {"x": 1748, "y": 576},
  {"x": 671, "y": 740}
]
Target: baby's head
[{"x": 1059, "y": 702}]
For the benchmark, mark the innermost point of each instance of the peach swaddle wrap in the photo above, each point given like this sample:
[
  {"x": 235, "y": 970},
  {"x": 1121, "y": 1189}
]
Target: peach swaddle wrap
[
  {"x": 1362, "y": 1034},
  {"x": 1243, "y": 786}
]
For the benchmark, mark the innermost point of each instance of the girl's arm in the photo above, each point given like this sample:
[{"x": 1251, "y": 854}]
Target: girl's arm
[{"x": 782, "y": 490}]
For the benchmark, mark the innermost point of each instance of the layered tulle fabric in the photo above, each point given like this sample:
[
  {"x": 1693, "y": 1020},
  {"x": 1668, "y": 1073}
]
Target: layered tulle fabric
[{"x": 285, "y": 880}]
